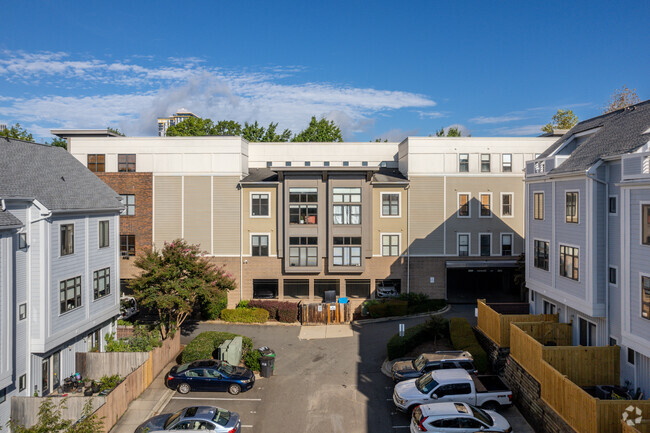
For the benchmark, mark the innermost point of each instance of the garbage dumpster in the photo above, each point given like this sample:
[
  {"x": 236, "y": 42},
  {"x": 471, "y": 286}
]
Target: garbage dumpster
[{"x": 266, "y": 366}]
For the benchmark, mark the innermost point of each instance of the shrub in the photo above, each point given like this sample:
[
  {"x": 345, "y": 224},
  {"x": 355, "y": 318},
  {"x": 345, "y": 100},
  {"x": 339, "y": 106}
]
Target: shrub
[
  {"x": 463, "y": 338},
  {"x": 287, "y": 312},
  {"x": 398, "y": 346},
  {"x": 142, "y": 340},
  {"x": 396, "y": 308},
  {"x": 204, "y": 345},
  {"x": 243, "y": 303},
  {"x": 270, "y": 306},
  {"x": 252, "y": 360},
  {"x": 109, "y": 382},
  {"x": 245, "y": 315},
  {"x": 378, "y": 310},
  {"x": 212, "y": 307}
]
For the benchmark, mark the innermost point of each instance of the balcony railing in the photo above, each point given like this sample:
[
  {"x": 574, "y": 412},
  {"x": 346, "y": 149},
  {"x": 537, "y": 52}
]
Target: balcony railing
[
  {"x": 636, "y": 166},
  {"x": 540, "y": 167}
]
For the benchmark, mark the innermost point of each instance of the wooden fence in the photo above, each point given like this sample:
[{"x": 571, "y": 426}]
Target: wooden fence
[
  {"x": 549, "y": 333},
  {"x": 325, "y": 314},
  {"x": 497, "y": 326},
  {"x": 644, "y": 427}
]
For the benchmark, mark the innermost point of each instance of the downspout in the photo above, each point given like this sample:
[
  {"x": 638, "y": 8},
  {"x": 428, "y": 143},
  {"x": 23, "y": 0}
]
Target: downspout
[
  {"x": 241, "y": 243},
  {"x": 408, "y": 238},
  {"x": 592, "y": 177}
]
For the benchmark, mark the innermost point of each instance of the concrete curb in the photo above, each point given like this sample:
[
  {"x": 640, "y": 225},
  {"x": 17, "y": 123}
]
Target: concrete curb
[
  {"x": 166, "y": 397},
  {"x": 389, "y": 319}
]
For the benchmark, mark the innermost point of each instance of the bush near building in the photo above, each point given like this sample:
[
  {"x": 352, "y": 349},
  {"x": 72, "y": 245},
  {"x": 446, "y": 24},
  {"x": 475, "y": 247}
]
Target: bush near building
[
  {"x": 404, "y": 304},
  {"x": 282, "y": 311},
  {"x": 463, "y": 338},
  {"x": 245, "y": 315}
]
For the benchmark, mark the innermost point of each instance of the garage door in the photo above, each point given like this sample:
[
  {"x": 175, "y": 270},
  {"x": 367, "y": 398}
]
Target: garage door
[{"x": 466, "y": 284}]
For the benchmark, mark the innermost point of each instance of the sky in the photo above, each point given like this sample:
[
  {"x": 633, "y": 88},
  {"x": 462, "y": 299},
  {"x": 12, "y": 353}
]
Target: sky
[{"x": 380, "y": 69}]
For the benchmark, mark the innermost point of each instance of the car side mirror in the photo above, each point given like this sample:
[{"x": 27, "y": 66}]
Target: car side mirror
[
  {"x": 482, "y": 428},
  {"x": 434, "y": 396}
]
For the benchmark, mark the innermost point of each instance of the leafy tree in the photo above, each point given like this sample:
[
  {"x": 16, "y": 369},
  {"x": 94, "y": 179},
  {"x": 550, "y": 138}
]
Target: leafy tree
[
  {"x": 563, "y": 119},
  {"x": 17, "y": 132},
  {"x": 115, "y": 131},
  {"x": 50, "y": 420},
  {"x": 176, "y": 281},
  {"x": 320, "y": 131},
  {"x": 226, "y": 127},
  {"x": 254, "y": 132},
  {"x": 379, "y": 140},
  {"x": 191, "y": 127},
  {"x": 452, "y": 131},
  {"x": 59, "y": 142},
  {"x": 621, "y": 98}
]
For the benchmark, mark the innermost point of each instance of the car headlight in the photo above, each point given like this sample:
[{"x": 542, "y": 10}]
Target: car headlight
[
  {"x": 245, "y": 381},
  {"x": 399, "y": 400}
]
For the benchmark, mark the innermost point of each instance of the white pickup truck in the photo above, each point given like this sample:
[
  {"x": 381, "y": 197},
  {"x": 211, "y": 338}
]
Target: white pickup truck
[{"x": 454, "y": 385}]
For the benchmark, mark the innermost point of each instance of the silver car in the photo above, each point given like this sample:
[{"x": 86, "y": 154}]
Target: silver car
[{"x": 204, "y": 418}]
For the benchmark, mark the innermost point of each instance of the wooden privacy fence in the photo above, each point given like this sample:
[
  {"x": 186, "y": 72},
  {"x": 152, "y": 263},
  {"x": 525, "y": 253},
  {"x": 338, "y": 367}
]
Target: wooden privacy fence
[
  {"x": 325, "y": 314},
  {"x": 548, "y": 333},
  {"x": 644, "y": 427},
  {"x": 497, "y": 326}
]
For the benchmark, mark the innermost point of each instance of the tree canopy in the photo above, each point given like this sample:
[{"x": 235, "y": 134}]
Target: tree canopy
[
  {"x": 621, "y": 98},
  {"x": 320, "y": 131},
  {"x": 115, "y": 131},
  {"x": 17, "y": 132},
  {"x": 452, "y": 131},
  {"x": 563, "y": 119},
  {"x": 59, "y": 142}
]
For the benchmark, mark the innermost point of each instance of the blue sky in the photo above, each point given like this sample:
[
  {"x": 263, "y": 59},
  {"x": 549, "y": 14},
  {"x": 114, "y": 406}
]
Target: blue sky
[{"x": 382, "y": 69}]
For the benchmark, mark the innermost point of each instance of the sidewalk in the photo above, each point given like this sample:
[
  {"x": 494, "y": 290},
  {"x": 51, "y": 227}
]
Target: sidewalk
[
  {"x": 325, "y": 331},
  {"x": 150, "y": 402}
]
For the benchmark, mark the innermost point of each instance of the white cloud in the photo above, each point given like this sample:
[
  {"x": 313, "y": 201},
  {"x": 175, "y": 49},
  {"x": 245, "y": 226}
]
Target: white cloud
[
  {"x": 496, "y": 119},
  {"x": 431, "y": 114},
  {"x": 464, "y": 130},
  {"x": 519, "y": 130}
]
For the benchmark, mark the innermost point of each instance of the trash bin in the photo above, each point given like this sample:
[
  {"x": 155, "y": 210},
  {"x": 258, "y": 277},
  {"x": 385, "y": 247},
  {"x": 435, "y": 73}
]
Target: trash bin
[
  {"x": 266, "y": 366},
  {"x": 265, "y": 351}
]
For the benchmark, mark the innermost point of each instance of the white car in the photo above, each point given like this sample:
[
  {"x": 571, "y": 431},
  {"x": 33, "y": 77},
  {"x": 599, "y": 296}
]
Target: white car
[{"x": 456, "y": 418}]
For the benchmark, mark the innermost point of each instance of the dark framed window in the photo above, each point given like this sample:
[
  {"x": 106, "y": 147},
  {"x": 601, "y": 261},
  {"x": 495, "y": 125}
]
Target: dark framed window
[
  {"x": 541, "y": 255},
  {"x": 287, "y": 163},
  {"x": 390, "y": 205},
  {"x": 612, "y": 275},
  {"x": 346, "y": 163},
  {"x": 299, "y": 211},
  {"x": 549, "y": 308},
  {"x": 506, "y": 162},
  {"x": 126, "y": 162},
  {"x": 506, "y": 205},
  {"x": 463, "y": 205},
  {"x": 269, "y": 164},
  {"x": 364, "y": 163},
  {"x": 485, "y": 162},
  {"x": 463, "y": 162},
  {"x": 538, "y": 199},
  {"x": 22, "y": 241},
  {"x": 70, "y": 294},
  {"x": 390, "y": 245},
  {"x": 463, "y": 244},
  {"x": 321, "y": 286},
  {"x": 127, "y": 245},
  {"x": 571, "y": 206},
  {"x": 486, "y": 210},
  {"x": 645, "y": 224},
  {"x": 296, "y": 288},
  {"x": 303, "y": 256},
  {"x": 22, "y": 382},
  {"x": 307, "y": 163},
  {"x": 67, "y": 239},
  {"x": 630, "y": 356},
  {"x": 96, "y": 163},
  {"x": 612, "y": 341},
  {"x": 101, "y": 283},
  {"x": 346, "y": 251},
  {"x": 22, "y": 311},
  {"x": 587, "y": 332},
  {"x": 265, "y": 289},
  {"x": 3, "y": 395},
  {"x": 645, "y": 297},
  {"x": 357, "y": 288},
  {"x": 486, "y": 244},
  {"x": 259, "y": 245},
  {"x": 612, "y": 204},
  {"x": 128, "y": 200},
  {"x": 506, "y": 245},
  {"x": 326, "y": 163},
  {"x": 104, "y": 237},
  {"x": 569, "y": 262}
]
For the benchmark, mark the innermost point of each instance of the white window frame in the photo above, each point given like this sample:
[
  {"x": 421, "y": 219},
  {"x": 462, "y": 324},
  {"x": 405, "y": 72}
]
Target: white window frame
[
  {"x": 399, "y": 204},
  {"x": 399, "y": 243},
  {"x": 489, "y": 161},
  {"x": 479, "y": 244},
  {"x": 469, "y": 204},
  {"x": 512, "y": 205},
  {"x": 469, "y": 244},
  {"x": 617, "y": 275},
  {"x": 617, "y": 203},
  {"x": 559, "y": 246},
  {"x": 503, "y": 162},
  {"x": 640, "y": 287},
  {"x": 480, "y": 204},
  {"x": 512, "y": 244},
  {"x": 250, "y": 243},
  {"x": 250, "y": 204}
]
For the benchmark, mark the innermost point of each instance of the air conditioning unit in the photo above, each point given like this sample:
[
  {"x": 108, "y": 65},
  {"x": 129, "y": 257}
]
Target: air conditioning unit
[{"x": 125, "y": 255}]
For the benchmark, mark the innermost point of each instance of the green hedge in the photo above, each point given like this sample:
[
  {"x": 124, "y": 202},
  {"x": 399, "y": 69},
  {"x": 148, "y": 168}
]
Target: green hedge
[
  {"x": 252, "y": 360},
  {"x": 211, "y": 308},
  {"x": 412, "y": 303},
  {"x": 399, "y": 346},
  {"x": 245, "y": 315},
  {"x": 463, "y": 338},
  {"x": 204, "y": 345}
]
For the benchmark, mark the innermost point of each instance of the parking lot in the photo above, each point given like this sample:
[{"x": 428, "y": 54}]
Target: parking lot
[{"x": 325, "y": 385}]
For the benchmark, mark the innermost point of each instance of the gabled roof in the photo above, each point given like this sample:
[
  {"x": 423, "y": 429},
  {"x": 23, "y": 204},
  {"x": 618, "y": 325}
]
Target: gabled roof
[
  {"x": 621, "y": 131},
  {"x": 7, "y": 220},
  {"x": 256, "y": 175},
  {"x": 52, "y": 176}
]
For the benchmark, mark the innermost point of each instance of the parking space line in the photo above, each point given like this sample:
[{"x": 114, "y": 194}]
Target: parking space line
[
  {"x": 216, "y": 398},
  {"x": 246, "y": 426}
]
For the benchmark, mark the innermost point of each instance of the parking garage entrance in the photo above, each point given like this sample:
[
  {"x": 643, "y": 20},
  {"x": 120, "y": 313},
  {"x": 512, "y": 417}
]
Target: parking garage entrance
[{"x": 482, "y": 279}]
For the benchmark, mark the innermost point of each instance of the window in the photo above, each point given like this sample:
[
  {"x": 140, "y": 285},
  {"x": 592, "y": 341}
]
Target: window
[
  {"x": 299, "y": 212},
  {"x": 390, "y": 204},
  {"x": 346, "y": 163},
  {"x": 506, "y": 205},
  {"x": 307, "y": 163},
  {"x": 128, "y": 200},
  {"x": 463, "y": 244},
  {"x": 103, "y": 234},
  {"x": 387, "y": 288},
  {"x": 67, "y": 239},
  {"x": 612, "y": 275},
  {"x": 22, "y": 311},
  {"x": 70, "y": 294},
  {"x": 485, "y": 205},
  {"x": 486, "y": 244},
  {"x": 301, "y": 254},
  {"x": 549, "y": 308},
  {"x": 347, "y": 251},
  {"x": 463, "y": 205},
  {"x": 296, "y": 288},
  {"x": 3, "y": 395},
  {"x": 259, "y": 205},
  {"x": 630, "y": 356},
  {"x": 485, "y": 162},
  {"x": 347, "y": 213},
  {"x": 127, "y": 245},
  {"x": 571, "y": 206},
  {"x": 96, "y": 163},
  {"x": 645, "y": 224},
  {"x": 645, "y": 297},
  {"x": 541, "y": 255},
  {"x": 587, "y": 333},
  {"x": 612, "y": 341},
  {"x": 463, "y": 160},
  {"x": 326, "y": 163},
  {"x": 538, "y": 206},
  {"x": 126, "y": 163},
  {"x": 321, "y": 286},
  {"x": 506, "y": 245},
  {"x": 22, "y": 382},
  {"x": 569, "y": 262},
  {"x": 22, "y": 241},
  {"x": 357, "y": 288},
  {"x": 347, "y": 195},
  {"x": 506, "y": 162},
  {"x": 612, "y": 205},
  {"x": 265, "y": 289},
  {"x": 287, "y": 163},
  {"x": 102, "y": 283},
  {"x": 390, "y": 245},
  {"x": 269, "y": 164},
  {"x": 259, "y": 245},
  {"x": 364, "y": 163}
]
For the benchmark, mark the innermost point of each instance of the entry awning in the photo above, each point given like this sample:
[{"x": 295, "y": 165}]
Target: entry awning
[{"x": 467, "y": 264}]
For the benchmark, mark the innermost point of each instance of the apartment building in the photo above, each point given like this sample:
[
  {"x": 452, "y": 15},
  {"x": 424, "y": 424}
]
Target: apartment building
[
  {"x": 59, "y": 248},
  {"x": 442, "y": 216},
  {"x": 173, "y": 120},
  {"x": 588, "y": 235}
]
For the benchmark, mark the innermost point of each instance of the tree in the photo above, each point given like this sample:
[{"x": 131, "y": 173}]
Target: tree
[
  {"x": 320, "y": 131},
  {"x": 17, "y": 132},
  {"x": 254, "y": 132},
  {"x": 59, "y": 142},
  {"x": 50, "y": 420},
  {"x": 452, "y": 131},
  {"x": 226, "y": 127},
  {"x": 621, "y": 98},
  {"x": 115, "y": 131},
  {"x": 192, "y": 127},
  {"x": 175, "y": 282},
  {"x": 563, "y": 119}
]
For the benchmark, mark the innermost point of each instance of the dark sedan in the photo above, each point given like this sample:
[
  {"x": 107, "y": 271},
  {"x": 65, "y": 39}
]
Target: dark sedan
[{"x": 210, "y": 375}]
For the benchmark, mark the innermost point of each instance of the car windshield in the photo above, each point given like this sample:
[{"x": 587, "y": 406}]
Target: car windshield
[
  {"x": 481, "y": 415},
  {"x": 419, "y": 363},
  {"x": 172, "y": 419},
  {"x": 226, "y": 369},
  {"x": 181, "y": 368},
  {"x": 425, "y": 383},
  {"x": 221, "y": 417}
]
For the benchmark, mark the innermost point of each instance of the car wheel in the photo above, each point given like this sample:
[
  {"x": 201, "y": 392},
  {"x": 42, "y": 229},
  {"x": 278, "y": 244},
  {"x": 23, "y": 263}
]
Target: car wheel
[
  {"x": 491, "y": 405},
  {"x": 184, "y": 388},
  {"x": 234, "y": 389}
]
